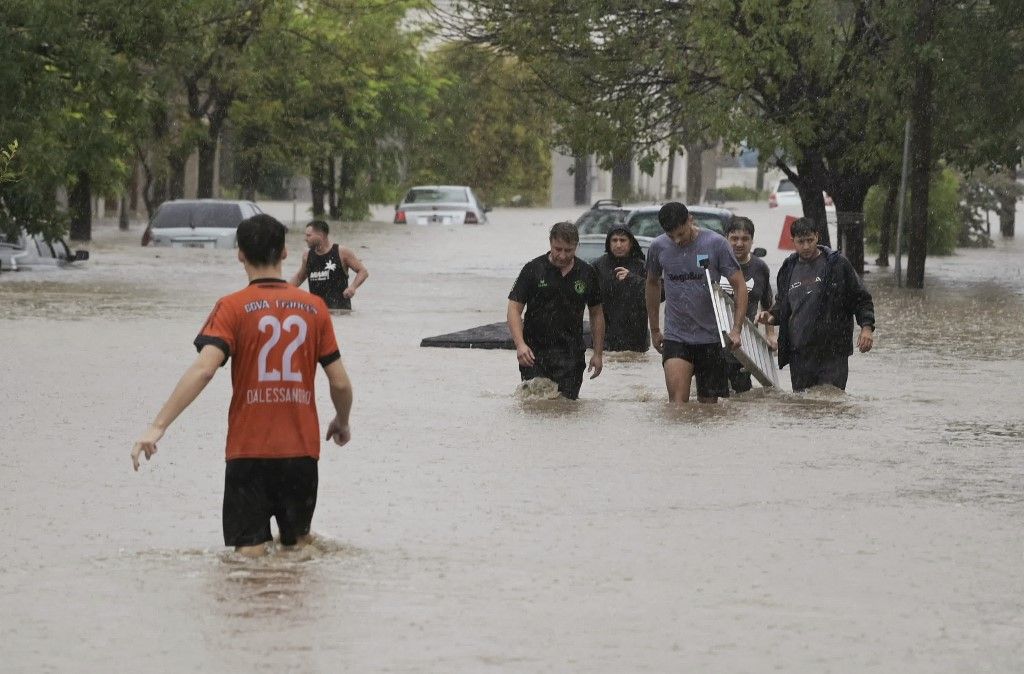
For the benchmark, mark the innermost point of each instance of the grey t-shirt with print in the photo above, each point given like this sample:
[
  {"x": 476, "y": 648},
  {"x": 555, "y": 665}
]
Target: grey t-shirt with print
[{"x": 689, "y": 314}]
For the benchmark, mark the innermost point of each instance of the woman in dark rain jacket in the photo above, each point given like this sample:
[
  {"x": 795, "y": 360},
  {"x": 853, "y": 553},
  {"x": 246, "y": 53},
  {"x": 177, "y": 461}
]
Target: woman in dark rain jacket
[{"x": 622, "y": 273}]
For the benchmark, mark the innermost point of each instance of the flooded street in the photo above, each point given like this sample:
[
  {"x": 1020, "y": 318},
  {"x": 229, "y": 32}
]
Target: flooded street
[{"x": 467, "y": 530}]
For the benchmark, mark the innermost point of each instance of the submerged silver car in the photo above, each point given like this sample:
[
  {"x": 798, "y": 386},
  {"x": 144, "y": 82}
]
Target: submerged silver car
[
  {"x": 198, "y": 223},
  {"x": 441, "y": 205}
]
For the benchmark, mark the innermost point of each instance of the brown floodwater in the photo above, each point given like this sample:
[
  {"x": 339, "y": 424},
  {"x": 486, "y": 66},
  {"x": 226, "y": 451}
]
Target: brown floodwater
[{"x": 467, "y": 528}]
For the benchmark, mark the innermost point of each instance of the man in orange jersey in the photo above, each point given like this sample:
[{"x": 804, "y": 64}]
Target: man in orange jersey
[{"x": 275, "y": 334}]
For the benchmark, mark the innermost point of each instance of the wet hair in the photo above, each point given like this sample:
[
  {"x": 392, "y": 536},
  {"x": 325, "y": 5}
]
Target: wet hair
[
  {"x": 740, "y": 223},
  {"x": 802, "y": 227},
  {"x": 672, "y": 216},
  {"x": 564, "y": 231},
  {"x": 319, "y": 226},
  {"x": 261, "y": 240}
]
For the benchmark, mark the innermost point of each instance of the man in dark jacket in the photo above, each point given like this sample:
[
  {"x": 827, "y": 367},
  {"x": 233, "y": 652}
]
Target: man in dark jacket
[
  {"x": 818, "y": 296},
  {"x": 622, "y": 274}
]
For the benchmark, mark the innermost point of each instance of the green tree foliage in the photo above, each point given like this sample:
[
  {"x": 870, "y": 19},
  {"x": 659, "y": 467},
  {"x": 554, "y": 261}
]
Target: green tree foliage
[
  {"x": 945, "y": 217},
  {"x": 489, "y": 129},
  {"x": 71, "y": 95},
  {"x": 342, "y": 82}
]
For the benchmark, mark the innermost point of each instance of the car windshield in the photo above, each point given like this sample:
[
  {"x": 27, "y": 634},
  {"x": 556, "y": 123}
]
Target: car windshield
[
  {"x": 599, "y": 221},
  {"x": 588, "y": 251},
  {"x": 786, "y": 186},
  {"x": 197, "y": 215},
  {"x": 436, "y": 195},
  {"x": 646, "y": 224}
]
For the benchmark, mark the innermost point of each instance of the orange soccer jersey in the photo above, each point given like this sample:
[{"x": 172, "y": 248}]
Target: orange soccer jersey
[{"x": 275, "y": 334}]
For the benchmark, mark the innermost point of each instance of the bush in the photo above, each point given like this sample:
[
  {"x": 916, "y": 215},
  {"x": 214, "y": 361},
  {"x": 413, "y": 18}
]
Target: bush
[
  {"x": 734, "y": 193},
  {"x": 943, "y": 215}
]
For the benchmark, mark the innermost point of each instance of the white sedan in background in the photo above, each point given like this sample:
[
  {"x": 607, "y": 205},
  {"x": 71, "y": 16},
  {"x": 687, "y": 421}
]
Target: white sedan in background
[
  {"x": 785, "y": 195},
  {"x": 440, "y": 205}
]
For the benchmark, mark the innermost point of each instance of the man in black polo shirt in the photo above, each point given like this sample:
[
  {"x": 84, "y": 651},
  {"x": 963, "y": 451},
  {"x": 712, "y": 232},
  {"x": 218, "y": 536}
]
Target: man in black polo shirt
[{"x": 554, "y": 288}]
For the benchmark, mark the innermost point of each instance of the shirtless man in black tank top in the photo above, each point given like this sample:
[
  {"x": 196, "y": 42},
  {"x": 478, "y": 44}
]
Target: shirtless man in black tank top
[{"x": 326, "y": 266}]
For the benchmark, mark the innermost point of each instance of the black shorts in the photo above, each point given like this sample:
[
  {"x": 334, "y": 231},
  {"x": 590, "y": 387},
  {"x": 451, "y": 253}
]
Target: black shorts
[
  {"x": 811, "y": 368},
  {"x": 565, "y": 369},
  {"x": 257, "y": 489},
  {"x": 708, "y": 362}
]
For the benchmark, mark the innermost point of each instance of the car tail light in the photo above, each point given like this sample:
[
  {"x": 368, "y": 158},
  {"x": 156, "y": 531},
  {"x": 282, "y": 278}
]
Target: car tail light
[
  {"x": 471, "y": 218},
  {"x": 147, "y": 236},
  {"x": 399, "y": 217},
  {"x": 773, "y": 200}
]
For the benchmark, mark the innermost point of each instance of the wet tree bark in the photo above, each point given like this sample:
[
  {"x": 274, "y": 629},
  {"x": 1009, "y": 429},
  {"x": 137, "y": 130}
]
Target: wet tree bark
[
  {"x": 122, "y": 215},
  {"x": 622, "y": 177},
  {"x": 207, "y": 150},
  {"x": 886, "y": 226},
  {"x": 176, "y": 179},
  {"x": 670, "y": 177},
  {"x": 581, "y": 180},
  {"x": 346, "y": 181},
  {"x": 316, "y": 184},
  {"x": 80, "y": 203},
  {"x": 921, "y": 147},
  {"x": 694, "y": 172},
  {"x": 1008, "y": 210},
  {"x": 332, "y": 191}
]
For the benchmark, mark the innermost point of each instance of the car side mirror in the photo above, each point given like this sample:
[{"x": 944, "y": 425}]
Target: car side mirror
[
  {"x": 81, "y": 256},
  {"x": 759, "y": 252},
  {"x": 396, "y": 207}
]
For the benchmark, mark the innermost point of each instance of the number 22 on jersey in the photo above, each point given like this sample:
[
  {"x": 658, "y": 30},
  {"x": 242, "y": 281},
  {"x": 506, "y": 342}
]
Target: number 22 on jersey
[{"x": 275, "y": 327}]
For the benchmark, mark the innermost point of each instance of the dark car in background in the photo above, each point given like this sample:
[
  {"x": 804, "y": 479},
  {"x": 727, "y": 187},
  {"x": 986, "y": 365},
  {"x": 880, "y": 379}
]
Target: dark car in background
[
  {"x": 198, "y": 223},
  {"x": 643, "y": 220},
  {"x": 602, "y": 216}
]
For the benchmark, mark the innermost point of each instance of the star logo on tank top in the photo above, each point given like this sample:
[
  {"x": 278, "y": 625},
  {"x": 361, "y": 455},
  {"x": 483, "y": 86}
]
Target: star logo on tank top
[{"x": 330, "y": 266}]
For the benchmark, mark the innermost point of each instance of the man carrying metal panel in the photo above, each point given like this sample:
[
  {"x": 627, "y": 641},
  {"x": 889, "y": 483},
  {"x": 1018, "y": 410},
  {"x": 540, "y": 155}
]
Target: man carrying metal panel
[
  {"x": 691, "y": 345},
  {"x": 740, "y": 234}
]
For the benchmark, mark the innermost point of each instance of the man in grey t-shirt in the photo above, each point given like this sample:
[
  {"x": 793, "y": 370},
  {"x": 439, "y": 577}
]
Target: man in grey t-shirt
[{"x": 690, "y": 345}]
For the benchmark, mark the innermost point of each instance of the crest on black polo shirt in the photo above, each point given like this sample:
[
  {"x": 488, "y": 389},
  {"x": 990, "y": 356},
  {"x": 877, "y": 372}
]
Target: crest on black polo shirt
[{"x": 580, "y": 286}]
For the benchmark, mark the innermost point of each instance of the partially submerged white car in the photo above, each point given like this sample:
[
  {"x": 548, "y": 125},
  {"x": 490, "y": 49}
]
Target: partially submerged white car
[
  {"x": 33, "y": 251},
  {"x": 440, "y": 205},
  {"x": 198, "y": 223}
]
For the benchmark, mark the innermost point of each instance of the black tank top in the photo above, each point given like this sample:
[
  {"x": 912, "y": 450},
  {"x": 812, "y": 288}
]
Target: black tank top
[{"x": 328, "y": 278}]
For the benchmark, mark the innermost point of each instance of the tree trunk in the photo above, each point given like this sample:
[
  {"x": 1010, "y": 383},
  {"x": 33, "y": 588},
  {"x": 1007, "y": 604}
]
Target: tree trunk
[
  {"x": 345, "y": 183},
  {"x": 80, "y": 203},
  {"x": 122, "y": 216},
  {"x": 848, "y": 193},
  {"x": 670, "y": 177},
  {"x": 810, "y": 184},
  {"x": 921, "y": 147},
  {"x": 332, "y": 192},
  {"x": 581, "y": 180},
  {"x": 133, "y": 189},
  {"x": 207, "y": 160},
  {"x": 176, "y": 180},
  {"x": 885, "y": 227},
  {"x": 622, "y": 177},
  {"x": 316, "y": 184},
  {"x": 759, "y": 177},
  {"x": 694, "y": 173},
  {"x": 1008, "y": 209}
]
